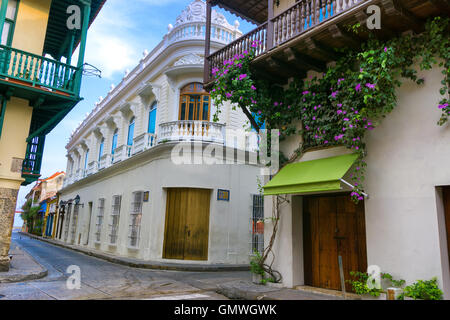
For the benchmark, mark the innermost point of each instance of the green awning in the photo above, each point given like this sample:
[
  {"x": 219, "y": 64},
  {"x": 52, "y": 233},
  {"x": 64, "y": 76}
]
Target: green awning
[{"x": 311, "y": 176}]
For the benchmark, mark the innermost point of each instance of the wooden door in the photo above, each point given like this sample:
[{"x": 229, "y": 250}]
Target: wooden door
[
  {"x": 333, "y": 227},
  {"x": 446, "y": 194},
  {"x": 187, "y": 224}
]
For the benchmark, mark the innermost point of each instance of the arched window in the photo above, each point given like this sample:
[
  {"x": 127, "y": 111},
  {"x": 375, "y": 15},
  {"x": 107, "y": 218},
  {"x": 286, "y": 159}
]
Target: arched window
[
  {"x": 131, "y": 132},
  {"x": 114, "y": 141},
  {"x": 195, "y": 103},
  {"x": 100, "y": 151},
  {"x": 152, "y": 118}
]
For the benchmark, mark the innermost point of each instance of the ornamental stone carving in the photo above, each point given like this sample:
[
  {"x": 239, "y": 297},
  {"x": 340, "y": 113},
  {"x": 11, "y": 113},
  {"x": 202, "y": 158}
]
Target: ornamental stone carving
[
  {"x": 190, "y": 59},
  {"x": 196, "y": 12}
]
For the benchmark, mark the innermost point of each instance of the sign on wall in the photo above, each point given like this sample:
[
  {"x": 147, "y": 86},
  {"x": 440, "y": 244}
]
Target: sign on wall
[
  {"x": 223, "y": 195},
  {"x": 146, "y": 196}
]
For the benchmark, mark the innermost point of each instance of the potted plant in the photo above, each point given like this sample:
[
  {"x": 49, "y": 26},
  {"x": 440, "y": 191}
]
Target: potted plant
[{"x": 422, "y": 290}]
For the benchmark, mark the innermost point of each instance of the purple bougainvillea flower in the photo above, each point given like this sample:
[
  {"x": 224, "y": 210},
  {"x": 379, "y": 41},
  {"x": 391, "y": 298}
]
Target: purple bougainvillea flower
[
  {"x": 315, "y": 107},
  {"x": 334, "y": 94},
  {"x": 275, "y": 104},
  {"x": 370, "y": 85},
  {"x": 325, "y": 142},
  {"x": 385, "y": 49},
  {"x": 314, "y": 118},
  {"x": 253, "y": 88},
  {"x": 242, "y": 76},
  {"x": 339, "y": 104},
  {"x": 305, "y": 92},
  {"x": 339, "y": 111},
  {"x": 259, "y": 112},
  {"x": 228, "y": 95},
  {"x": 289, "y": 107},
  {"x": 443, "y": 106},
  {"x": 340, "y": 80},
  {"x": 358, "y": 87},
  {"x": 346, "y": 119}
]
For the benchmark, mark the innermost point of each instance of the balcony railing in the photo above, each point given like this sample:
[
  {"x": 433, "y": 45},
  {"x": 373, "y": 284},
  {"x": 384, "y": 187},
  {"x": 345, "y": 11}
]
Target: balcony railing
[
  {"x": 296, "y": 20},
  {"x": 191, "y": 131},
  {"x": 42, "y": 73}
]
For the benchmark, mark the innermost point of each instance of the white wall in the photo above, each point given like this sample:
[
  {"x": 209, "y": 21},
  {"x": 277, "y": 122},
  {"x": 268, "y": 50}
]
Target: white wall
[{"x": 153, "y": 171}]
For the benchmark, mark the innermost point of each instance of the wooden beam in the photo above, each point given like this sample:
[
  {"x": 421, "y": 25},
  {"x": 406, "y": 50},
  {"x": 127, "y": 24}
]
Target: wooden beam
[
  {"x": 441, "y": 5},
  {"x": 393, "y": 7},
  {"x": 207, "y": 67},
  {"x": 308, "y": 63},
  {"x": 327, "y": 52},
  {"x": 286, "y": 68},
  {"x": 338, "y": 33},
  {"x": 270, "y": 26}
]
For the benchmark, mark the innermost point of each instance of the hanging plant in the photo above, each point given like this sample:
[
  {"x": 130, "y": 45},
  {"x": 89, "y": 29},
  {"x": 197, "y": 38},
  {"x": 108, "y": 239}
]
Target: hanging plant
[{"x": 349, "y": 99}]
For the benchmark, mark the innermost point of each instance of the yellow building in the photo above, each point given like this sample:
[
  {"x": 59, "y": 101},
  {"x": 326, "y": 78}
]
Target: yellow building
[{"x": 39, "y": 86}]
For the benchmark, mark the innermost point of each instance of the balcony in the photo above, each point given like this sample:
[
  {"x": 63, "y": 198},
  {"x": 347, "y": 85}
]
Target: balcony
[
  {"x": 304, "y": 37},
  {"x": 34, "y": 76},
  {"x": 188, "y": 130},
  {"x": 143, "y": 142}
]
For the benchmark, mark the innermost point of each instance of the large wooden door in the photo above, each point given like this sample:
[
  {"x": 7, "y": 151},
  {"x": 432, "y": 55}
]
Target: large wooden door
[
  {"x": 333, "y": 226},
  {"x": 187, "y": 224},
  {"x": 446, "y": 195}
]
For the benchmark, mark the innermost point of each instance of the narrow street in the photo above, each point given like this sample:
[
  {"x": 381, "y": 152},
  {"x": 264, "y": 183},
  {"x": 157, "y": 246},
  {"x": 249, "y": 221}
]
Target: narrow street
[{"x": 104, "y": 280}]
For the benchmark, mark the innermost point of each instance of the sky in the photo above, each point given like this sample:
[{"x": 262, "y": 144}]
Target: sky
[{"x": 116, "y": 42}]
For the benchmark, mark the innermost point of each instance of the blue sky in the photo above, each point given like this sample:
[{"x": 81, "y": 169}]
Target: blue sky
[{"x": 116, "y": 41}]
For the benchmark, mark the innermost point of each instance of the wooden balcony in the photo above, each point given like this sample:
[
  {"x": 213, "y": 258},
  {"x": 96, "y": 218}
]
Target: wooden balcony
[
  {"x": 305, "y": 36},
  {"x": 33, "y": 76}
]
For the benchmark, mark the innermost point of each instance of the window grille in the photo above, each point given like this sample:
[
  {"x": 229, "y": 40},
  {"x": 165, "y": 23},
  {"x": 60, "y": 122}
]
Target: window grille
[
  {"x": 66, "y": 227},
  {"x": 257, "y": 224},
  {"x": 115, "y": 215},
  {"x": 74, "y": 223},
  {"x": 135, "y": 219},
  {"x": 100, "y": 215}
]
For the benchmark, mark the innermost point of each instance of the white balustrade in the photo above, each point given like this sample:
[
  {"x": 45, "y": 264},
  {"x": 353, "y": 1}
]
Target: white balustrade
[
  {"x": 105, "y": 161},
  {"x": 92, "y": 168},
  {"x": 191, "y": 131}
]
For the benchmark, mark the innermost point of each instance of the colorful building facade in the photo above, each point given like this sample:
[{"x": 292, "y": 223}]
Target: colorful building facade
[{"x": 39, "y": 86}]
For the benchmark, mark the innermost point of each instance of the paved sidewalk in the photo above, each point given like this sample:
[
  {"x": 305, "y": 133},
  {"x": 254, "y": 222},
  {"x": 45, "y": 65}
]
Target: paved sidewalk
[
  {"x": 245, "y": 290},
  {"x": 23, "y": 267}
]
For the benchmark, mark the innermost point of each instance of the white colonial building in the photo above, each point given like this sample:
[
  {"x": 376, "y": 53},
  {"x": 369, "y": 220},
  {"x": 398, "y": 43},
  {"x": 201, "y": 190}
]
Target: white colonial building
[{"x": 126, "y": 192}]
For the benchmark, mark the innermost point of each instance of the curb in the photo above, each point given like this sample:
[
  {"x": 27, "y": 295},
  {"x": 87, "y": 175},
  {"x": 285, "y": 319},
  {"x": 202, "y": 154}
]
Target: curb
[
  {"x": 144, "y": 265},
  {"x": 28, "y": 277}
]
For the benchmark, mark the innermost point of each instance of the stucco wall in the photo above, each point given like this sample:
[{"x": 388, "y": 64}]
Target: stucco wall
[
  {"x": 229, "y": 240},
  {"x": 13, "y": 140},
  {"x": 31, "y": 25}
]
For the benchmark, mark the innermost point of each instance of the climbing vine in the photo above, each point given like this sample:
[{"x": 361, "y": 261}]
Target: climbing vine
[{"x": 352, "y": 97}]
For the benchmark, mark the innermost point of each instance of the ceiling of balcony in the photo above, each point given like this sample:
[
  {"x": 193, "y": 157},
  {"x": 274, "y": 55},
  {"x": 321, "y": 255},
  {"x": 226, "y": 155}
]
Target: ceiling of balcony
[
  {"x": 252, "y": 10},
  {"x": 57, "y": 31}
]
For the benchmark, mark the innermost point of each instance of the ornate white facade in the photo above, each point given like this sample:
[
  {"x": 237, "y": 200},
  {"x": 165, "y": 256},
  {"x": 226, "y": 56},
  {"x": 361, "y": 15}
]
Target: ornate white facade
[{"x": 125, "y": 144}]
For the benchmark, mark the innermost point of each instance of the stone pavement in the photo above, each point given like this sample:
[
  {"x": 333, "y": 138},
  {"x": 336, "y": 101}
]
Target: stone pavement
[
  {"x": 246, "y": 290},
  {"x": 22, "y": 267},
  {"x": 136, "y": 263}
]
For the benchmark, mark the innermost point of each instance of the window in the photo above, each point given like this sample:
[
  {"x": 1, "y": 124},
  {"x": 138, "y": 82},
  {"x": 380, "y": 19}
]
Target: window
[
  {"x": 76, "y": 209},
  {"x": 257, "y": 224},
  {"x": 135, "y": 218},
  {"x": 115, "y": 215},
  {"x": 10, "y": 21},
  {"x": 131, "y": 131},
  {"x": 100, "y": 214},
  {"x": 100, "y": 151},
  {"x": 194, "y": 103},
  {"x": 66, "y": 227},
  {"x": 114, "y": 143},
  {"x": 152, "y": 118},
  {"x": 86, "y": 160}
]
